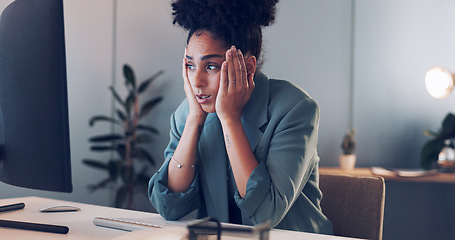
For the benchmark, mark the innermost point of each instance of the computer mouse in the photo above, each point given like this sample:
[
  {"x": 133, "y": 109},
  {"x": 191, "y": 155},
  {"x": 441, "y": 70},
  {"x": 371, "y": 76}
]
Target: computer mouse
[{"x": 60, "y": 208}]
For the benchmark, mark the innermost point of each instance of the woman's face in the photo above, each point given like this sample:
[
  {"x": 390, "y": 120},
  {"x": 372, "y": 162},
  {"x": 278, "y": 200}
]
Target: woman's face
[{"x": 205, "y": 56}]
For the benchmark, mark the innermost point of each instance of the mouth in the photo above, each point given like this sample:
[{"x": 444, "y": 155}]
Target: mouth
[{"x": 201, "y": 98}]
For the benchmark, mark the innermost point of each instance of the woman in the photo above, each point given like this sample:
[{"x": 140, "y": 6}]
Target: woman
[{"x": 242, "y": 147}]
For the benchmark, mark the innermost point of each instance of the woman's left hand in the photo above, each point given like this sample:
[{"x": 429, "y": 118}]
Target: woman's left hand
[{"x": 235, "y": 88}]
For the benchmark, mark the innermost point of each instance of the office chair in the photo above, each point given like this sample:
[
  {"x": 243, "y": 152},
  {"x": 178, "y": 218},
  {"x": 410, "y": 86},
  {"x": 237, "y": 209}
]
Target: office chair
[{"x": 354, "y": 204}]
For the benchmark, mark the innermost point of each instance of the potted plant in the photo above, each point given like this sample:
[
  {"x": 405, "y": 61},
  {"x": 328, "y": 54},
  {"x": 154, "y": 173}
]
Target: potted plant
[
  {"x": 348, "y": 158},
  {"x": 432, "y": 154},
  {"x": 126, "y": 145}
]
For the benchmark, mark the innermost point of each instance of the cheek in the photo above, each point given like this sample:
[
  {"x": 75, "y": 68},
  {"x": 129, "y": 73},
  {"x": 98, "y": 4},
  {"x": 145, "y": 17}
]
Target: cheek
[
  {"x": 215, "y": 83},
  {"x": 190, "y": 75}
]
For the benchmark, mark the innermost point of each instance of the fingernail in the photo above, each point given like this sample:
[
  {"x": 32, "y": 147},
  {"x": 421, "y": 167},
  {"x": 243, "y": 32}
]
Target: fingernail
[
  {"x": 240, "y": 52},
  {"x": 233, "y": 47}
]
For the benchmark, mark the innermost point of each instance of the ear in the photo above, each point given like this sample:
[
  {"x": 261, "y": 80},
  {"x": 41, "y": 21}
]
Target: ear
[{"x": 250, "y": 63}]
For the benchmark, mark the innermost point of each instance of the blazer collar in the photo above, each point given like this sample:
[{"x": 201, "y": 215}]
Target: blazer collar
[
  {"x": 211, "y": 144},
  {"x": 255, "y": 110},
  {"x": 213, "y": 162},
  {"x": 255, "y": 114}
]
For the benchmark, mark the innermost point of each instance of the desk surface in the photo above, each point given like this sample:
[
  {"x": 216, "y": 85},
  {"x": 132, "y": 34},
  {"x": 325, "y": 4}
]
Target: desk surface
[
  {"x": 81, "y": 224},
  {"x": 438, "y": 178}
]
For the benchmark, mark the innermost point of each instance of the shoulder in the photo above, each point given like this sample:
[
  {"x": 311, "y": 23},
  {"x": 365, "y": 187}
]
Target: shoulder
[
  {"x": 287, "y": 96},
  {"x": 273, "y": 100},
  {"x": 279, "y": 88}
]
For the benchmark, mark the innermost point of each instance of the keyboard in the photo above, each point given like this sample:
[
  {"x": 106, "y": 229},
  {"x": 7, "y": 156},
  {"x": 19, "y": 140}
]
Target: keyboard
[
  {"x": 199, "y": 226},
  {"x": 133, "y": 224}
]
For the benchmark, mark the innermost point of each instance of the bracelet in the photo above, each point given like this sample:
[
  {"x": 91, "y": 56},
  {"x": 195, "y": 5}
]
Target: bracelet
[{"x": 179, "y": 165}]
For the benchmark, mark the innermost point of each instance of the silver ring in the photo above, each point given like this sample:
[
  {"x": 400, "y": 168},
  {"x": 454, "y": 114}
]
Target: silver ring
[{"x": 232, "y": 81}]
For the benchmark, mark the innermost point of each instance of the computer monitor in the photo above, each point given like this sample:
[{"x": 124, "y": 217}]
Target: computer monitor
[{"x": 34, "y": 125}]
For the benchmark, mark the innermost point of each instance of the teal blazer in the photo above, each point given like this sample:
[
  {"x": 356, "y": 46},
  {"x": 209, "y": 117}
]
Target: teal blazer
[{"x": 281, "y": 123}]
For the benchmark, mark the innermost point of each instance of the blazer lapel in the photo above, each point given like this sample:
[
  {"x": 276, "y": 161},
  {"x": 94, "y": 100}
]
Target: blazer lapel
[
  {"x": 212, "y": 149},
  {"x": 213, "y": 163},
  {"x": 255, "y": 112}
]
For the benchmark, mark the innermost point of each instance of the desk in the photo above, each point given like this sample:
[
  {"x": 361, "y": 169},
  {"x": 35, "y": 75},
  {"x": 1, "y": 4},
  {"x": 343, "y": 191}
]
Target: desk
[
  {"x": 438, "y": 178},
  {"x": 81, "y": 225}
]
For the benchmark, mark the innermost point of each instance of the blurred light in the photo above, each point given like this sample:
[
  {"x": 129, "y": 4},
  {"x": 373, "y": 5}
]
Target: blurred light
[{"x": 439, "y": 82}]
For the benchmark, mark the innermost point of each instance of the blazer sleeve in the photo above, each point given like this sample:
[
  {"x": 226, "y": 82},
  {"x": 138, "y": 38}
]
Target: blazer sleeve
[
  {"x": 170, "y": 205},
  {"x": 275, "y": 184}
]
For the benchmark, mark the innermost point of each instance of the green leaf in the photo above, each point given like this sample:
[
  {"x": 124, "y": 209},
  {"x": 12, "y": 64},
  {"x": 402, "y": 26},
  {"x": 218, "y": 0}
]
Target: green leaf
[
  {"x": 113, "y": 167},
  {"x": 144, "y": 85},
  {"x": 430, "y": 151},
  {"x": 117, "y": 97},
  {"x": 106, "y": 138},
  {"x": 100, "y": 148},
  {"x": 127, "y": 174},
  {"x": 121, "y": 115},
  {"x": 147, "y": 128},
  {"x": 448, "y": 126},
  {"x": 143, "y": 171},
  {"x": 143, "y": 179},
  {"x": 144, "y": 155},
  {"x": 143, "y": 138},
  {"x": 129, "y": 76},
  {"x": 95, "y": 119},
  {"x": 95, "y": 164},
  {"x": 430, "y": 133},
  {"x": 121, "y": 150},
  {"x": 148, "y": 106},
  {"x": 130, "y": 100},
  {"x": 102, "y": 184},
  {"x": 121, "y": 195},
  {"x": 129, "y": 132}
]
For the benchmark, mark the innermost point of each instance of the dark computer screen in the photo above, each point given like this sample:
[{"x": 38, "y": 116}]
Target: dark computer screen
[{"x": 34, "y": 126}]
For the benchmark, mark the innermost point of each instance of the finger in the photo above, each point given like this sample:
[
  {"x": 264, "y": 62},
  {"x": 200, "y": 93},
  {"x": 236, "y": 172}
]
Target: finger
[
  {"x": 184, "y": 68},
  {"x": 231, "y": 67},
  {"x": 224, "y": 81},
  {"x": 237, "y": 68},
  {"x": 242, "y": 69},
  {"x": 186, "y": 83}
]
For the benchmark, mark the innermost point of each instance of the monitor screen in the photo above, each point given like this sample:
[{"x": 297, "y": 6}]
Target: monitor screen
[{"x": 34, "y": 126}]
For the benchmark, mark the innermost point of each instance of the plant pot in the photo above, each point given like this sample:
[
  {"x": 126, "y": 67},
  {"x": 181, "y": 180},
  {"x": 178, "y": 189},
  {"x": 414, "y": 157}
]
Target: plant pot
[
  {"x": 446, "y": 158},
  {"x": 347, "y": 161}
]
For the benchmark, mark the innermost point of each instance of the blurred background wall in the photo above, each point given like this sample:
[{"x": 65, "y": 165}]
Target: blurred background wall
[{"x": 371, "y": 53}]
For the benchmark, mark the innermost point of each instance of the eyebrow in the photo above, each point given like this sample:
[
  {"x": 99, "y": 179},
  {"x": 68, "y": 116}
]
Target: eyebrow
[{"x": 205, "y": 57}]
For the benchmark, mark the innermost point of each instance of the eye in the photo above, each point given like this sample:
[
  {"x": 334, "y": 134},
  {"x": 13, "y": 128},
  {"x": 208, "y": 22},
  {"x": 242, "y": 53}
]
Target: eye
[
  {"x": 212, "y": 67},
  {"x": 190, "y": 66}
]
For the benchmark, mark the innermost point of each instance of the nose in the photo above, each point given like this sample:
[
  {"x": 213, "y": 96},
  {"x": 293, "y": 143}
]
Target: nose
[{"x": 199, "y": 79}]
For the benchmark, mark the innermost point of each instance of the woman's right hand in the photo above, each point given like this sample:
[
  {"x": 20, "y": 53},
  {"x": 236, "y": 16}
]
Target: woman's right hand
[
  {"x": 196, "y": 113},
  {"x": 180, "y": 171}
]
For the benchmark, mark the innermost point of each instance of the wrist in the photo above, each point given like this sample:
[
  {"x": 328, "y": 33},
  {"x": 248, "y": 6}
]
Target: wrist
[
  {"x": 193, "y": 127},
  {"x": 196, "y": 119},
  {"x": 180, "y": 165},
  {"x": 231, "y": 121}
]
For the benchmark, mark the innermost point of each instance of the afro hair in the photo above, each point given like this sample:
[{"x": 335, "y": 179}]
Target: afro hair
[{"x": 236, "y": 22}]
